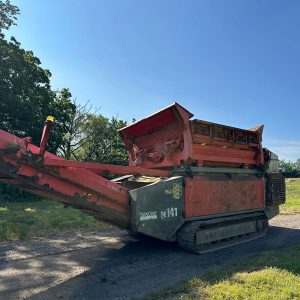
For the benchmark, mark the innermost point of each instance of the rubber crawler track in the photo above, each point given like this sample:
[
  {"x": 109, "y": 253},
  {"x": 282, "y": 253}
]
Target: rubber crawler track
[{"x": 186, "y": 235}]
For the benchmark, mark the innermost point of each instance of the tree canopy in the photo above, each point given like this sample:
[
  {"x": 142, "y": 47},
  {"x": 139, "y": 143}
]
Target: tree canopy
[
  {"x": 26, "y": 97},
  {"x": 8, "y": 15},
  {"x": 93, "y": 137},
  {"x": 290, "y": 169}
]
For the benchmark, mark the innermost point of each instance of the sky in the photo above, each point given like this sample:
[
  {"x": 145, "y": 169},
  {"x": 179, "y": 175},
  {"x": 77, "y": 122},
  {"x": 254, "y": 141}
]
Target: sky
[{"x": 230, "y": 62}]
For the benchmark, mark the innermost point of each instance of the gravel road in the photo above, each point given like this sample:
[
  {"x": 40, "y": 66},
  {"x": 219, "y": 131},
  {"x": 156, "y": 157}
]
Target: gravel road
[{"x": 113, "y": 265}]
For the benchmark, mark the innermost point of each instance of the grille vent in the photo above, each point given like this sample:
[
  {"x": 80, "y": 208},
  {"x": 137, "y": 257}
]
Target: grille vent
[{"x": 275, "y": 189}]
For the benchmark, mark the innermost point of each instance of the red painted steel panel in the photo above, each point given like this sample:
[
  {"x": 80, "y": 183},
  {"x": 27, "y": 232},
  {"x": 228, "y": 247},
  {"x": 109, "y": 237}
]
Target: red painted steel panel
[
  {"x": 106, "y": 168},
  {"x": 160, "y": 142},
  {"x": 168, "y": 138},
  {"x": 205, "y": 196},
  {"x": 154, "y": 122},
  {"x": 220, "y": 154},
  {"x": 163, "y": 119}
]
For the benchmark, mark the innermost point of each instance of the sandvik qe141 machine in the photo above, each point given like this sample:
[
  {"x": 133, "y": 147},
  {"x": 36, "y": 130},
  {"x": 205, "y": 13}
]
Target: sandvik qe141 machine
[{"x": 205, "y": 185}]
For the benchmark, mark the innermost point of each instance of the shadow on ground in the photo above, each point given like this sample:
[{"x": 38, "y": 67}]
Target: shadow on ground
[{"x": 132, "y": 268}]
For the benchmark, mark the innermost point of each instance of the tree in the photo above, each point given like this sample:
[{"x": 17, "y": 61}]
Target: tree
[
  {"x": 8, "y": 15},
  {"x": 297, "y": 164},
  {"x": 101, "y": 141},
  {"x": 63, "y": 109},
  {"x": 26, "y": 97},
  {"x": 74, "y": 137},
  {"x": 290, "y": 169}
]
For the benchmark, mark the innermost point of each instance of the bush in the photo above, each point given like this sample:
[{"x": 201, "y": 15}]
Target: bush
[{"x": 9, "y": 193}]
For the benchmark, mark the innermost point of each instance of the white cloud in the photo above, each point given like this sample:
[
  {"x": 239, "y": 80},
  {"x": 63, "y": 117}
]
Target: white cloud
[{"x": 285, "y": 149}]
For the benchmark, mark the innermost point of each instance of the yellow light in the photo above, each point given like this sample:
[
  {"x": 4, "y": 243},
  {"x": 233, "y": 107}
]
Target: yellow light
[{"x": 50, "y": 118}]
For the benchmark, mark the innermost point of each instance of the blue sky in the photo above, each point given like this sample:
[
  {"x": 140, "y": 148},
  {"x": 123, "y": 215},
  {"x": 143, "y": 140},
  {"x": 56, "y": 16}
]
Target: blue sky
[{"x": 232, "y": 62}]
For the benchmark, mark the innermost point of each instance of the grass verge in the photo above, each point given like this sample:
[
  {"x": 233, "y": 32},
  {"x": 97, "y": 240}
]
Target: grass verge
[
  {"x": 22, "y": 220},
  {"x": 292, "y": 204},
  {"x": 271, "y": 275}
]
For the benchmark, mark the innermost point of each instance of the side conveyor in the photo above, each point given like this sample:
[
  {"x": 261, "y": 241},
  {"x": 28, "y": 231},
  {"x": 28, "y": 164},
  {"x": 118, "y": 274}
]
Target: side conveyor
[{"x": 22, "y": 166}]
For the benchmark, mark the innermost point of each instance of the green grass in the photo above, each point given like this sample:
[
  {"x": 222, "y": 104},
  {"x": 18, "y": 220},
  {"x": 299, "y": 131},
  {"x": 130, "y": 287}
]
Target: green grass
[
  {"x": 22, "y": 220},
  {"x": 271, "y": 275},
  {"x": 292, "y": 204}
]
